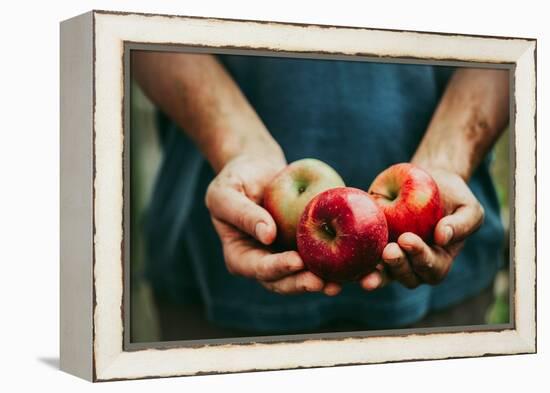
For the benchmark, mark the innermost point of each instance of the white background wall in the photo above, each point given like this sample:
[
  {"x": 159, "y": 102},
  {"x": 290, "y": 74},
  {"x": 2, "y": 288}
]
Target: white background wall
[{"x": 29, "y": 196}]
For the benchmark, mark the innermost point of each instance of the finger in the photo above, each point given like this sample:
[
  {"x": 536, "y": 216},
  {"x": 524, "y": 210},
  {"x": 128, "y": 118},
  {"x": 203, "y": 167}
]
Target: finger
[
  {"x": 377, "y": 279},
  {"x": 371, "y": 281},
  {"x": 237, "y": 209},
  {"x": 430, "y": 266},
  {"x": 332, "y": 289},
  {"x": 457, "y": 226},
  {"x": 297, "y": 283},
  {"x": 399, "y": 267},
  {"x": 276, "y": 266},
  {"x": 244, "y": 257}
]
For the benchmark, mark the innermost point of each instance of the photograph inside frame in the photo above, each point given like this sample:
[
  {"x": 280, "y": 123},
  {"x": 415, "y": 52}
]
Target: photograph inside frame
[{"x": 278, "y": 195}]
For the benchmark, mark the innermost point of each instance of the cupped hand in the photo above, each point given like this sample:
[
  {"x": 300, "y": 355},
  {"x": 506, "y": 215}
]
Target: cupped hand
[
  {"x": 410, "y": 260},
  {"x": 246, "y": 229}
]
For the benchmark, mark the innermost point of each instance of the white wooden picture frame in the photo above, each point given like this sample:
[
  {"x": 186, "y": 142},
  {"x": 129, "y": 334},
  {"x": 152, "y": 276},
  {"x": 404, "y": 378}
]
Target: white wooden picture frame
[{"x": 94, "y": 55}]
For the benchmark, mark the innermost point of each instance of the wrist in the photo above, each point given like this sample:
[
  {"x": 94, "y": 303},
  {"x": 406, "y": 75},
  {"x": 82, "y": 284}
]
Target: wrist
[
  {"x": 256, "y": 147},
  {"x": 433, "y": 163}
]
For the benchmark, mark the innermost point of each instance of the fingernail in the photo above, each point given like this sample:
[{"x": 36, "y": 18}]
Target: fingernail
[
  {"x": 393, "y": 252},
  {"x": 293, "y": 266},
  {"x": 448, "y": 234},
  {"x": 261, "y": 231},
  {"x": 373, "y": 282},
  {"x": 403, "y": 241},
  {"x": 331, "y": 291},
  {"x": 406, "y": 246}
]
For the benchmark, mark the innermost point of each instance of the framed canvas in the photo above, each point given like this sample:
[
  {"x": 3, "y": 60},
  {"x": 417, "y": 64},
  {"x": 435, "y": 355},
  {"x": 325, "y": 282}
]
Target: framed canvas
[{"x": 129, "y": 171}]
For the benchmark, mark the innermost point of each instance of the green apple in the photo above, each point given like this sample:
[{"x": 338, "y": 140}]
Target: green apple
[{"x": 287, "y": 195}]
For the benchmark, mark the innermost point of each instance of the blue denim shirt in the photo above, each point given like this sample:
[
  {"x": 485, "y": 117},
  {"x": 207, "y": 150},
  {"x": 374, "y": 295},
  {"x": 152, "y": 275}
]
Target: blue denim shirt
[{"x": 360, "y": 118}]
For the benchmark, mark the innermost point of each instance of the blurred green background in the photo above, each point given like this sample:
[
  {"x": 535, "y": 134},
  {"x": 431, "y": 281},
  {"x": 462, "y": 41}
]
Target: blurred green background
[{"x": 145, "y": 160}]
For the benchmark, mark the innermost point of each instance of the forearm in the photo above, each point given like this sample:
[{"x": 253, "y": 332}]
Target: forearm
[
  {"x": 471, "y": 115},
  {"x": 200, "y": 96}
]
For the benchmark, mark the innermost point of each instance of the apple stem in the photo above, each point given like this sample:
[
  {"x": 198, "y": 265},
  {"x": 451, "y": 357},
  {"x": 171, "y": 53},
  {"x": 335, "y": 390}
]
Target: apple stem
[{"x": 390, "y": 197}]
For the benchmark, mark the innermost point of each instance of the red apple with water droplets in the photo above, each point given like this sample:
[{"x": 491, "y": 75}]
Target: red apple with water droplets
[
  {"x": 410, "y": 199},
  {"x": 341, "y": 234},
  {"x": 286, "y": 197}
]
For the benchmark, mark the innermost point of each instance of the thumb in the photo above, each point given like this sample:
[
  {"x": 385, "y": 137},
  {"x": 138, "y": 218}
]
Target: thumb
[
  {"x": 238, "y": 210},
  {"x": 457, "y": 226}
]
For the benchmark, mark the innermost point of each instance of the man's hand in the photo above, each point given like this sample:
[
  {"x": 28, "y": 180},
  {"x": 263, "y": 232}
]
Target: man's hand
[
  {"x": 471, "y": 115},
  {"x": 246, "y": 229},
  {"x": 198, "y": 93},
  {"x": 411, "y": 261}
]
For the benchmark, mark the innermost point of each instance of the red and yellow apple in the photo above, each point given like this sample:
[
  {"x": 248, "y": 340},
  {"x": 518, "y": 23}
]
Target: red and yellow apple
[
  {"x": 290, "y": 191},
  {"x": 341, "y": 234},
  {"x": 410, "y": 199}
]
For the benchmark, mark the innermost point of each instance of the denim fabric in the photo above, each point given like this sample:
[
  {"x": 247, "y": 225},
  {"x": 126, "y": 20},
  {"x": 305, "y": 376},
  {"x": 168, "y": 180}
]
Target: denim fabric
[{"x": 360, "y": 118}]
